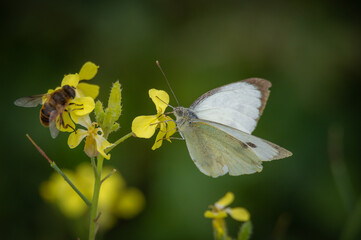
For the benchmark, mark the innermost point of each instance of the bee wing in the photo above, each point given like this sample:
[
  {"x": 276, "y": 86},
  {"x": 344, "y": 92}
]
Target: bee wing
[
  {"x": 31, "y": 101},
  {"x": 54, "y": 131}
]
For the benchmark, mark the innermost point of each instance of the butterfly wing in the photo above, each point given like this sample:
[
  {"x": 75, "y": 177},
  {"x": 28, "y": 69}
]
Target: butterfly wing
[
  {"x": 265, "y": 150},
  {"x": 215, "y": 152},
  {"x": 217, "y": 149},
  {"x": 238, "y": 104}
]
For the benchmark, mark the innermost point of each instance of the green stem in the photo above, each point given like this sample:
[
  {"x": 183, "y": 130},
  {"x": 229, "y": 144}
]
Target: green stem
[
  {"x": 120, "y": 140},
  {"x": 94, "y": 206},
  {"x": 98, "y": 181},
  {"x": 94, "y": 166},
  {"x": 56, "y": 168}
]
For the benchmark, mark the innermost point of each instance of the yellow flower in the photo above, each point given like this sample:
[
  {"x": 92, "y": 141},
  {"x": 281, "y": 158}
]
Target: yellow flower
[
  {"x": 219, "y": 211},
  {"x": 83, "y": 102},
  {"x": 115, "y": 200},
  {"x": 95, "y": 143},
  {"x": 145, "y": 126},
  {"x": 87, "y": 72}
]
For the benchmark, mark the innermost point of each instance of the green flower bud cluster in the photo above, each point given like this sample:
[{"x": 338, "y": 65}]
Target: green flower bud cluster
[{"x": 107, "y": 118}]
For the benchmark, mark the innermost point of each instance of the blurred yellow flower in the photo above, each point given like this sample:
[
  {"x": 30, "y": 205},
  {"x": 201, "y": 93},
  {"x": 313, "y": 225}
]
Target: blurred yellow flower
[
  {"x": 116, "y": 200},
  {"x": 95, "y": 143},
  {"x": 219, "y": 211},
  {"x": 145, "y": 126}
]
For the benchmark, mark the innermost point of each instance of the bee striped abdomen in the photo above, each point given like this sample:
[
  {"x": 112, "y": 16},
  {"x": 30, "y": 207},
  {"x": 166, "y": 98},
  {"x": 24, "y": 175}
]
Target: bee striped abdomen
[{"x": 45, "y": 113}]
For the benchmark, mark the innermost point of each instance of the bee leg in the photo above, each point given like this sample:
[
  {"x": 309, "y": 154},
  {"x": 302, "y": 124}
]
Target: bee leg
[
  {"x": 80, "y": 104},
  {"x": 67, "y": 125},
  {"x": 75, "y": 108},
  {"x": 61, "y": 122}
]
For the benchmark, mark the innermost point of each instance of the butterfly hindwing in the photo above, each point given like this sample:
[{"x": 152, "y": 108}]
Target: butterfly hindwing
[
  {"x": 217, "y": 152},
  {"x": 264, "y": 149}
]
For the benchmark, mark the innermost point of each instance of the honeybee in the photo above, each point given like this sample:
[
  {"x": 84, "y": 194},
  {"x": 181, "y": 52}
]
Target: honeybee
[{"x": 54, "y": 106}]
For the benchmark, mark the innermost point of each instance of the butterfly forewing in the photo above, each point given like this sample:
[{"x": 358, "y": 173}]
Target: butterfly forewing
[{"x": 238, "y": 104}]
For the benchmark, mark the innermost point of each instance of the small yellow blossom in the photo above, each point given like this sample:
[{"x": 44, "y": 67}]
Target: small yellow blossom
[
  {"x": 95, "y": 143},
  {"x": 219, "y": 211},
  {"x": 145, "y": 126},
  {"x": 83, "y": 103},
  {"x": 115, "y": 200},
  {"x": 87, "y": 72}
]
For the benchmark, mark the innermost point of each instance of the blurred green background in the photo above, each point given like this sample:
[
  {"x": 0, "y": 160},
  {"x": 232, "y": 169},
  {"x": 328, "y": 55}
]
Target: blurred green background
[{"x": 309, "y": 50}]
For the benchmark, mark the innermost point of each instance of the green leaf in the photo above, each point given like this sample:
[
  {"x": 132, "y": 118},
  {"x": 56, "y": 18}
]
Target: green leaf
[{"x": 246, "y": 231}]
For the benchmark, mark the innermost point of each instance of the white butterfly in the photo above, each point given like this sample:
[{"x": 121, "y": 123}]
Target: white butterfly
[{"x": 218, "y": 125}]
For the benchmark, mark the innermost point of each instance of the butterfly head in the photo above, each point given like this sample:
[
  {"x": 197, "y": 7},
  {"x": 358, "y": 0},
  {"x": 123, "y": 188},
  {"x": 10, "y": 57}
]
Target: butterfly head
[{"x": 183, "y": 115}]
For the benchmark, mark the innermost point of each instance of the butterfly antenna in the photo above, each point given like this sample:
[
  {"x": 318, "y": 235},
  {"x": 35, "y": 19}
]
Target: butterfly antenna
[
  {"x": 157, "y": 62},
  {"x": 165, "y": 103}
]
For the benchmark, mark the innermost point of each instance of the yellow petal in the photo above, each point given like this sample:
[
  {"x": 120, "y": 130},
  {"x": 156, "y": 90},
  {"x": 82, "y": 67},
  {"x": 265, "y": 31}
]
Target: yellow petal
[
  {"x": 88, "y": 71},
  {"x": 160, "y": 99},
  {"x": 75, "y": 137},
  {"x": 71, "y": 80},
  {"x": 46, "y": 96},
  {"x": 171, "y": 128},
  {"x": 225, "y": 201},
  {"x": 85, "y": 121},
  {"x": 102, "y": 144},
  {"x": 159, "y": 139},
  {"x": 212, "y": 214},
  {"x": 239, "y": 214},
  {"x": 68, "y": 125},
  {"x": 220, "y": 227},
  {"x": 88, "y": 90},
  {"x": 81, "y": 106},
  {"x": 90, "y": 147},
  {"x": 142, "y": 128}
]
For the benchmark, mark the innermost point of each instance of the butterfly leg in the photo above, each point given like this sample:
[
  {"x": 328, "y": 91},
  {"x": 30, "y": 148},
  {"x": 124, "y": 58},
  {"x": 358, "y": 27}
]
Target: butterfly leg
[{"x": 161, "y": 122}]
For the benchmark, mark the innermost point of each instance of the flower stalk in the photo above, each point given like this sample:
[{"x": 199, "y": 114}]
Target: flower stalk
[
  {"x": 94, "y": 205},
  {"x": 56, "y": 168},
  {"x": 120, "y": 140}
]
